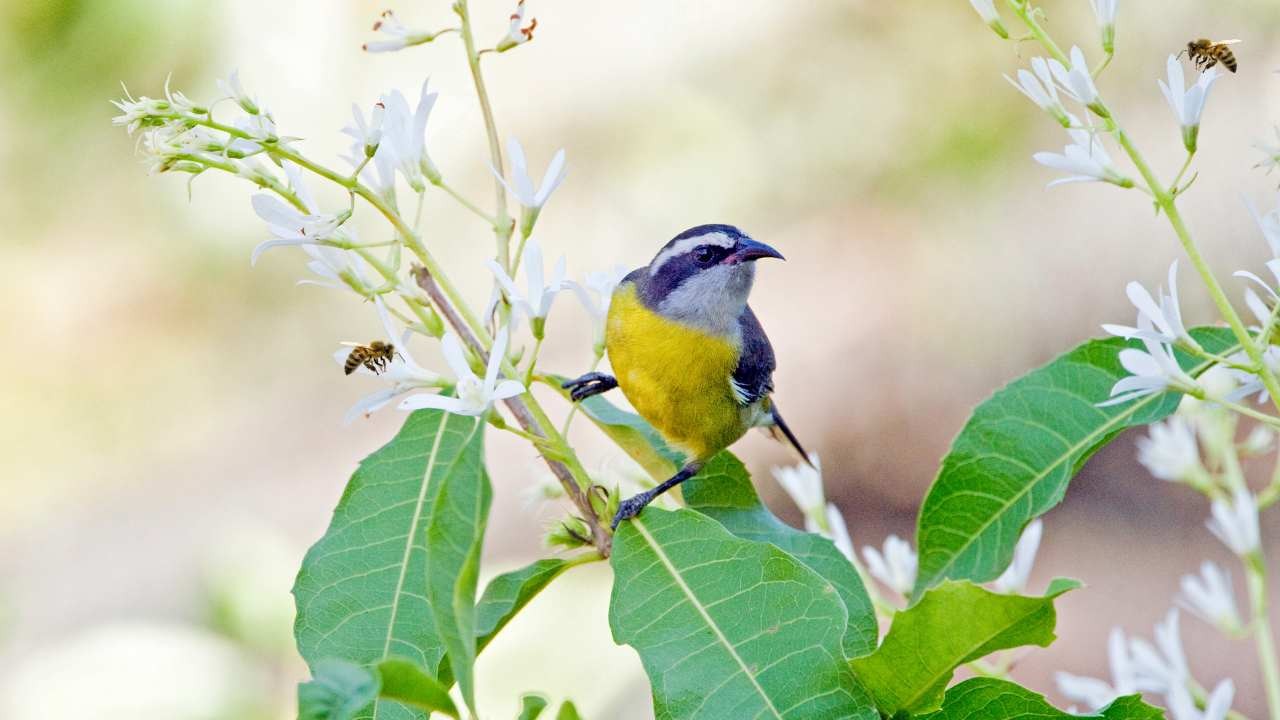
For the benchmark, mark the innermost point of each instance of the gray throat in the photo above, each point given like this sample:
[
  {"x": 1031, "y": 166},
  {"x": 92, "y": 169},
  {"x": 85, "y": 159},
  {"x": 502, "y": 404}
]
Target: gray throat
[{"x": 712, "y": 300}]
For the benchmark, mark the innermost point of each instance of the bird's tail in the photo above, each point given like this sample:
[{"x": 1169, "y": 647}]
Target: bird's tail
[{"x": 782, "y": 433}]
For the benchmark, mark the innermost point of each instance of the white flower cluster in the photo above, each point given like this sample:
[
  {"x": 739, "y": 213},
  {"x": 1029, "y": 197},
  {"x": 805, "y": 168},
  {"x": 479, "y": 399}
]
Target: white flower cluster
[
  {"x": 803, "y": 483},
  {"x": 1138, "y": 666},
  {"x": 388, "y": 147},
  {"x": 895, "y": 567}
]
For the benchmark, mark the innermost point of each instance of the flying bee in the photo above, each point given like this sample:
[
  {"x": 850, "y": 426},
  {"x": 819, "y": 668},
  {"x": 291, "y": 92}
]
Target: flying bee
[
  {"x": 1207, "y": 53},
  {"x": 375, "y": 356}
]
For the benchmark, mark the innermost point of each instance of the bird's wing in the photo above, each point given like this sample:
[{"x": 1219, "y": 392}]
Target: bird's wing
[{"x": 752, "y": 380}]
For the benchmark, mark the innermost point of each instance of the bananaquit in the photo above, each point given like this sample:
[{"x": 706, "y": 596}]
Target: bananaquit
[{"x": 688, "y": 353}]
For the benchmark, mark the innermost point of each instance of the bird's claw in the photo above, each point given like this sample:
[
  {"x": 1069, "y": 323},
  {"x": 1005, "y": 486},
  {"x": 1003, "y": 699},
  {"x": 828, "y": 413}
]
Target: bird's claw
[
  {"x": 629, "y": 508},
  {"x": 590, "y": 384}
]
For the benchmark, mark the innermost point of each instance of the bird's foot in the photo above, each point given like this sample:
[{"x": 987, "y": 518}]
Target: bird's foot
[
  {"x": 592, "y": 383},
  {"x": 631, "y": 507}
]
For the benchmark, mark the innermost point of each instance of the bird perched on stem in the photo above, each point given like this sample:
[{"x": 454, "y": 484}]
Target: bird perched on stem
[{"x": 688, "y": 352}]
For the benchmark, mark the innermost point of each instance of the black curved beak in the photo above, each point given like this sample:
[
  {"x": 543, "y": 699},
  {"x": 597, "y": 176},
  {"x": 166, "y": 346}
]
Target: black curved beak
[{"x": 747, "y": 250}]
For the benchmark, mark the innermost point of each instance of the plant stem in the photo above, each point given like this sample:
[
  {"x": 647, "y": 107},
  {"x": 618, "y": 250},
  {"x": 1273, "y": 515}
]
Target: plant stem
[
  {"x": 1181, "y": 171},
  {"x": 533, "y": 361},
  {"x": 565, "y": 464},
  {"x": 502, "y": 225},
  {"x": 1255, "y": 573},
  {"x": 1250, "y": 412},
  {"x": 464, "y": 202},
  {"x": 573, "y": 407}
]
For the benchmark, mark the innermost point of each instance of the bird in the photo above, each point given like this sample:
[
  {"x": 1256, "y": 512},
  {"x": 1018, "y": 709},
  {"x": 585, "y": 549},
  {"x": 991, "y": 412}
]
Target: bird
[{"x": 688, "y": 352}]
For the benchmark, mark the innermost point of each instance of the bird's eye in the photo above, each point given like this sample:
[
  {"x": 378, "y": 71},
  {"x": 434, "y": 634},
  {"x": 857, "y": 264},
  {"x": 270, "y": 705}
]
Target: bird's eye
[{"x": 703, "y": 255}]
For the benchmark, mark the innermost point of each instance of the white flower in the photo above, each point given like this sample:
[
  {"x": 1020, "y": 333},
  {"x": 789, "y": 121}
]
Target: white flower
[
  {"x": 1095, "y": 693},
  {"x": 1187, "y": 104},
  {"x": 1170, "y": 452},
  {"x": 1165, "y": 316},
  {"x": 1272, "y": 152},
  {"x": 595, "y": 293},
  {"x": 521, "y": 184},
  {"x": 258, "y": 127},
  {"x": 1105, "y": 11},
  {"x": 536, "y": 302},
  {"x": 1183, "y": 707},
  {"x": 1086, "y": 159},
  {"x": 1077, "y": 81},
  {"x": 405, "y": 132},
  {"x": 1161, "y": 667},
  {"x": 399, "y": 36},
  {"x": 474, "y": 395},
  {"x": 1014, "y": 578},
  {"x": 368, "y": 135},
  {"x": 403, "y": 373},
  {"x": 1235, "y": 523},
  {"x": 1259, "y": 441},
  {"x": 517, "y": 35},
  {"x": 233, "y": 90},
  {"x": 987, "y": 9},
  {"x": 1153, "y": 371},
  {"x": 290, "y": 227},
  {"x": 803, "y": 483},
  {"x": 837, "y": 530},
  {"x": 1269, "y": 224},
  {"x": 896, "y": 568},
  {"x": 1041, "y": 90},
  {"x": 1209, "y": 596}
]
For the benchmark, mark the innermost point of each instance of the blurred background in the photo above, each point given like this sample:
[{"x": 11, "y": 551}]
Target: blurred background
[{"x": 171, "y": 427}]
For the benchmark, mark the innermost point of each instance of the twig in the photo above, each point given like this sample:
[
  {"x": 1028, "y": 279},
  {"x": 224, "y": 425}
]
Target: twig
[{"x": 523, "y": 415}]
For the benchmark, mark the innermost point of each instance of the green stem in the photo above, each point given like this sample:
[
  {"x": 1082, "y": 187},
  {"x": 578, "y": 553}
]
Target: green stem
[
  {"x": 1249, "y": 412},
  {"x": 501, "y": 220},
  {"x": 533, "y": 361},
  {"x": 1255, "y": 573},
  {"x": 464, "y": 202},
  {"x": 1181, "y": 171},
  {"x": 1103, "y": 65},
  {"x": 573, "y": 408}
]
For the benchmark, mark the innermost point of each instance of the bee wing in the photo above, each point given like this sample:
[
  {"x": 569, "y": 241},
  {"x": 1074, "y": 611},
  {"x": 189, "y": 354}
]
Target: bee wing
[
  {"x": 1228, "y": 42},
  {"x": 351, "y": 344}
]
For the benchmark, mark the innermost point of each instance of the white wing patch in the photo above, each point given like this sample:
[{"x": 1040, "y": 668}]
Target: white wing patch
[
  {"x": 739, "y": 393},
  {"x": 683, "y": 246}
]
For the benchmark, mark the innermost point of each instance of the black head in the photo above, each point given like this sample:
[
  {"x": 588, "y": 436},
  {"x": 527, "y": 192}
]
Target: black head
[{"x": 704, "y": 273}]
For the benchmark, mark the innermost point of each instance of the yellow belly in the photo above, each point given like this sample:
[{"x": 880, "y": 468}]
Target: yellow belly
[{"x": 676, "y": 376}]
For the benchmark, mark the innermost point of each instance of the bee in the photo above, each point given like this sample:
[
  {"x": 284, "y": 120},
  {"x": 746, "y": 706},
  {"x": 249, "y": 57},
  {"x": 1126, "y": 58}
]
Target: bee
[
  {"x": 1207, "y": 53},
  {"x": 375, "y": 356}
]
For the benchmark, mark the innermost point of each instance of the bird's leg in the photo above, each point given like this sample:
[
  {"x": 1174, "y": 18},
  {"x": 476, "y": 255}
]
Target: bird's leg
[
  {"x": 632, "y": 506},
  {"x": 593, "y": 383}
]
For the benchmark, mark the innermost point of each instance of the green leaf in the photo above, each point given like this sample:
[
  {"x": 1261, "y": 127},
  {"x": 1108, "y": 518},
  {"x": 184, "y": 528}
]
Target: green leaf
[
  {"x": 338, "y": 690},
  {"x": 992, "y": 699},
  {"x": 568, "y": 711},
  {"x": 361, "y": 590},
  {"x": 455, "y": 524},
  {"x": 508, "y": 593},
  {"x": 342, "y": 689},
  {"x": 723, "y": 492},
  {"x": 531, "y": 706},
  {"x": 953, "y": 623},
  {"x": 635, "y": 436},
  {"x": 1015, "y": 456},
  {"x": 727, "y": 627},
  {"x": 404, "y": 681}
]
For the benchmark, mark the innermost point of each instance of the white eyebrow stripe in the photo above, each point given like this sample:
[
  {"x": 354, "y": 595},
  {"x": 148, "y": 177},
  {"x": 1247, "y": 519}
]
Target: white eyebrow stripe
[{"x": 689, "y": 243}]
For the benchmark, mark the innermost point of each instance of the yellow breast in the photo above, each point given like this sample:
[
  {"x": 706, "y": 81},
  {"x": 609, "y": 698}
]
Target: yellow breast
[{"x": 676, "y": 376}]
